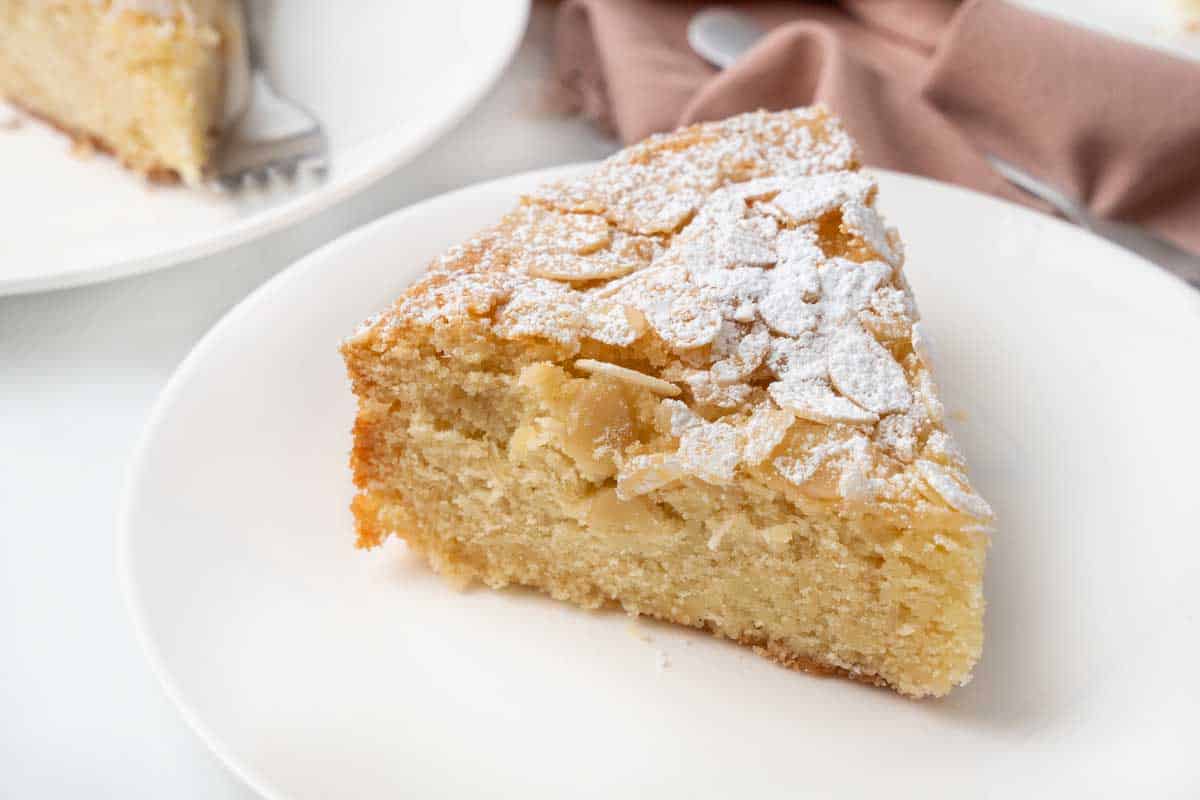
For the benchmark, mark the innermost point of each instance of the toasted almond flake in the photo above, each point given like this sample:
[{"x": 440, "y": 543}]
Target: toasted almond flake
[
  {"x": 800, "y": 470},
  {"x": 797, "y": 471},
  {"x": 852, "y": 457},
  {"x": 941, "y": 446},
  {"x": 665, "y": 214},
  {"x": 747, "y": 244},
  {"x": 785, "y": 308},
  {"x": 684, "y": 325},
  {"x": 582, "y": 269},
  {"x": 864, "y": 371},
  {"x": 897, "y": 433},
  {"x": 864, "y": 222},
  {"x": 763, "y": 432},
  {"x": 679, "y": 418},
  {"x": 739, "y": 352},
  {"x": 540, "y": 307},
  {"x": 889, "y": 314},
  {"x": 626, "y": 375},
  {"x": 613, "y": 323},
  {"x": 757, "y": 189},
  {"x": 847, "y": 287},
  {"x": 799, "y": 358},
  {"x": 711, "y": 451},
  {"x": 813, "y": 400},
  {"x": 708, "y": 392},
  {"x": 802, "y": 245},
  {"x": 572, "y": 247},
  {"x": 644, "y": 474},
  {"x": 817, "y": 195},
  {"x": 922, "y": 344},
  {"x": 954, "y": 491},
  {"x": 736, "y": 290},
  {"x": 925, "y": 394},
  {"x": 542, "y": 230}
]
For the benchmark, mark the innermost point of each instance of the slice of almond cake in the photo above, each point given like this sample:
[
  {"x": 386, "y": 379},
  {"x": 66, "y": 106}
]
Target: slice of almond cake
[
  {"x": 693, "y": 384},
  {"x": 142, "y": 79}
]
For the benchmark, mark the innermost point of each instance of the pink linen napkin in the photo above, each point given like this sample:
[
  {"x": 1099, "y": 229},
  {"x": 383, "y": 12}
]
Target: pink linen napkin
[{"x": 925, "y": 86}]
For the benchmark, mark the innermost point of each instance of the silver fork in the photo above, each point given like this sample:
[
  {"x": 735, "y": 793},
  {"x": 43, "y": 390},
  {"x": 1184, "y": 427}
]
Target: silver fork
[{"x": 273, "y": 135}]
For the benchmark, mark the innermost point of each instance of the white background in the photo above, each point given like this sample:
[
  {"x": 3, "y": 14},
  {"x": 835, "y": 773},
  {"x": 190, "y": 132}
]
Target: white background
[{"x": 81, "y": 715}]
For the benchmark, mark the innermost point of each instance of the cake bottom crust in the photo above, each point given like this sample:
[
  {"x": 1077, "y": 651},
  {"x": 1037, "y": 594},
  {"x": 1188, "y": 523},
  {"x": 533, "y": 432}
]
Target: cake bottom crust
[{"x": 85, "y": 142}]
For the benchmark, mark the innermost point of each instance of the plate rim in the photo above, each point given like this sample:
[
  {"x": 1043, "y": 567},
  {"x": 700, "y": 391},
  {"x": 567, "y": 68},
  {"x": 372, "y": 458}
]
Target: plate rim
[
  {"x": 123, "y": 536},
  {"x": 305, "y": 205}
]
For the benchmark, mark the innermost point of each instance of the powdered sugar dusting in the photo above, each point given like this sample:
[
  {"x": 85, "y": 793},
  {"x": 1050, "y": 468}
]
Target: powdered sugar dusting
[
  {"x": 814, "y": 400},
  {"x": 862, "y": 370},
  {"x": 714, "y": 242},
  {"x": 853, "y": 458},
  {"x": 957, "y": 495},
  {"x": 812, "y": 197}
]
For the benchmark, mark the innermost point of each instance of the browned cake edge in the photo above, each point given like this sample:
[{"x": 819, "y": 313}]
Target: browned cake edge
[{"x": 159, "y": 174}]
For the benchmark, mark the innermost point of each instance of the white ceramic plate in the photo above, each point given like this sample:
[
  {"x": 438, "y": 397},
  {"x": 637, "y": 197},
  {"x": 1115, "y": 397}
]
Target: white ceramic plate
[
  {"x": 386, "y": 78},
  {"x": 1150, "y": 23},
  {"x": 316, "y": 670}
]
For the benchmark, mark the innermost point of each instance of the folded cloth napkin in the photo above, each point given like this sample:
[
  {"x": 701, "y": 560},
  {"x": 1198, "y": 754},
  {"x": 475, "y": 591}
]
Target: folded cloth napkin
[{"x": 925, "y": 86}]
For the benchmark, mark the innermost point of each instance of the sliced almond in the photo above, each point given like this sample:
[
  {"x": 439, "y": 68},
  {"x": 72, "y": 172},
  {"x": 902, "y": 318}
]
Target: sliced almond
[
  {"x": 541, "y": 308},
  {"x": 921, "y": 343},
  {"x": 711, "y": 393},
  {"x": 812, "y": 399},
  {"x": 541, "y": 229},
  {"x": 954, "y": 491},
  {"x": 740, "y": 351},
  {"x": 843, "y": 466},
  {"x": 576, "y": 268},
  {"x": 711, "y": 451},
  {"x": 864, "y": 371},
  {"x": 684, "y": 322},
  {"x": 812, "y": 196},
  {"x": 763, "y": 432},
  {"x": 757, "y": 189},
  {"x": 613, "y": 323},
  {"x": 859, "y": 219},
  {"x": 643, "y": 474},
  {"x": 631, "y": 376}
]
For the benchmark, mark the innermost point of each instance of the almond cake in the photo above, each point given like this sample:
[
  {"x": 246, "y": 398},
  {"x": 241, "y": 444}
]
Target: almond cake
[
  {"x": 692, "y": 384},
  {"x": 143, "y": 79}
]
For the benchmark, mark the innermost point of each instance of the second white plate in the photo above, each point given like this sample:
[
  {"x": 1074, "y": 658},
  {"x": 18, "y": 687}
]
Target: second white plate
[
  {"x": 315, "y": 670},
  {"x": 385, "y": 79}
]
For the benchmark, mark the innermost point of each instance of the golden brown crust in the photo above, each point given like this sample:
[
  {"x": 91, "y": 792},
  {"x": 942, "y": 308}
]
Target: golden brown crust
[{"x": 785, "y": 657}]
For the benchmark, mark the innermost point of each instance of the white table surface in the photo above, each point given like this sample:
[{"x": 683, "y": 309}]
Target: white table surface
[{"x": 81, "y": 715}]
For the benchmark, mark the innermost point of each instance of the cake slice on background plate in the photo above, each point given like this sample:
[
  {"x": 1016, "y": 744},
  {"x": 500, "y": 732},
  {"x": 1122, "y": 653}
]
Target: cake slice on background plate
[
  {"x": 146, "y": 80},
  {"x": 693, "y": 384}
]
